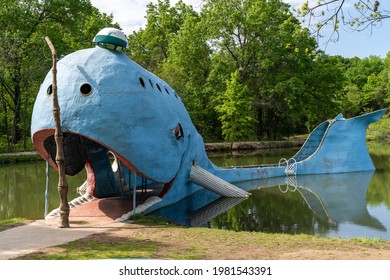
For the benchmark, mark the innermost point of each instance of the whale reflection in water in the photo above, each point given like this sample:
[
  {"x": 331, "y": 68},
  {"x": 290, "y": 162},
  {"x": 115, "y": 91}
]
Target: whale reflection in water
[
  {"x": 340, "y": 198},
  {"x": 332, "y": 198}
]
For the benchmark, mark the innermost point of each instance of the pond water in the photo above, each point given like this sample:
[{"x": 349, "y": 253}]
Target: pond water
[
  {"x": 339, "y": 205},
  {"x": 22, "y": 190}
]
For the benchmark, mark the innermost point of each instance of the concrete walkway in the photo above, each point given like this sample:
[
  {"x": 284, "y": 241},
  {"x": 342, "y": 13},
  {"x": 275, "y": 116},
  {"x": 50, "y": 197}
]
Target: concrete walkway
[
  {"x": 38, "y": 235},
  {"x": 93, "y": 217}
]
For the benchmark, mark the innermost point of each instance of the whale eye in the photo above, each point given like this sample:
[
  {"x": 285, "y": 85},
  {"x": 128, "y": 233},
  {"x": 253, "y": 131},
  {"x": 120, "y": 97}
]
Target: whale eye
[
  {"x": 86, "y": 89},
  {"x": 178, "y": 132},
  {"x": 50, "y": 90}
]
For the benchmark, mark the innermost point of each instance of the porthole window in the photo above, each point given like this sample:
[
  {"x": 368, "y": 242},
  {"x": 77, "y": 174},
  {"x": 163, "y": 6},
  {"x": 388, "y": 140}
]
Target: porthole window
[
  {"x": 167, "y": 91},
  {"x": 159, "y": 88},
  {"x": 142, "y": 82},
  {"x": 151, "y": 84},
  {"x": 50, "y": 90},
  {"x": 86, "y": 89}
]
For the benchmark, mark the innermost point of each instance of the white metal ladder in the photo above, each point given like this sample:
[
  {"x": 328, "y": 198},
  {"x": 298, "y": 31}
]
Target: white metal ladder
[{"x": 291, "y": 166}]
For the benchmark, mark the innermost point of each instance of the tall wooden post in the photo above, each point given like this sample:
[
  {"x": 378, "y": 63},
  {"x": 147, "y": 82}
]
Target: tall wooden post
[{"x": 58, "y": 136}]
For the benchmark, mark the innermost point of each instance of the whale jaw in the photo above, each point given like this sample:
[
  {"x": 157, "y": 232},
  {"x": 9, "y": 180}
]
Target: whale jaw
[{"x": 103, "y": 179}]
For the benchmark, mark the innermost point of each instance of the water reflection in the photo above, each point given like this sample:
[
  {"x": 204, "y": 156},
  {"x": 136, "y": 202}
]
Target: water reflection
[
  {"x": 340, "y": 198},
  {"x": 315, "y": 204},
  {"x": 22, "y": 190}
]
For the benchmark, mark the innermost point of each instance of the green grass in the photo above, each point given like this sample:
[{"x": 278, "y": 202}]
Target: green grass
[
  {"x": 8, "y": 223},
  {"x": 132, "y": 249},
  {"x": 380, "y": 130},
  {"x": 180, "y": 243},
  {"x": 151, "y": 220},
  {"x": 14, "y": 158},
  {"x": 369, "y": 241},
  {"x": 193, "y": 253}
]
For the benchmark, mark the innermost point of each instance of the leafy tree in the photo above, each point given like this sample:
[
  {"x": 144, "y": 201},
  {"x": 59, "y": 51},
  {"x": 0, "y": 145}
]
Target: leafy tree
[
  {"x": 324, "y": 82},
  {"x": 374, "y": 92},
  {"x": 187, "y": 69},
  {"x": 350, "y": 102},
  {"x": 386, "y": 79},
  {"x": 24, "y": 58},
  {"x": 149, "y": 46},
  {"x": 273, "y": 53},
  {"x": 359, "y": 70},
  {"x": 357, "y": 15},
  {"x": 365, "y": 86},
  {"x": 236, "y": 111}
]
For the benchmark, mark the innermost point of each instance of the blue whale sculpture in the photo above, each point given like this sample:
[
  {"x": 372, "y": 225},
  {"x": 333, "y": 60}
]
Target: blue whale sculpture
[{"x": 110, "y": 104}]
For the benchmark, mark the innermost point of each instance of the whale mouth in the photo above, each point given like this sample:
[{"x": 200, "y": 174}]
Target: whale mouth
[{"x": 108, "y": 173}]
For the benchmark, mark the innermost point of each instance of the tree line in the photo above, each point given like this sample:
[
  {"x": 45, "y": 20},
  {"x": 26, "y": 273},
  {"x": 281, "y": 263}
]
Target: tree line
[{"x": 245, "y": 69}]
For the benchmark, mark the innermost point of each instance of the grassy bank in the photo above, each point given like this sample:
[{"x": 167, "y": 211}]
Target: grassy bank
[
  {"x": 159, "y": 239},
  {"x": 253, "y": 145},
  {"x": 379, "y": 131},
  {"x": 6, "y": 158},
  {"x": 10, "y": 223}
]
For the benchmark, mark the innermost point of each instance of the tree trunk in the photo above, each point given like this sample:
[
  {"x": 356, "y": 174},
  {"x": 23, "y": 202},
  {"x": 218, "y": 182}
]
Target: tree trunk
[
  {"x": 6, "y": 127},
  {"x": 16, "y": 131},
  {"x": 25, "y": 123},
  {"x": 58, "y": 136}
]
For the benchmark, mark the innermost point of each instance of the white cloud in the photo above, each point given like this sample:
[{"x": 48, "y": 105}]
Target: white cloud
[{"x": 130, "y": 14}]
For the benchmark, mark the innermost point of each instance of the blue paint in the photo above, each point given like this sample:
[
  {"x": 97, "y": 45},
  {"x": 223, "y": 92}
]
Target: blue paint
[{"x": 140, "y": 118}]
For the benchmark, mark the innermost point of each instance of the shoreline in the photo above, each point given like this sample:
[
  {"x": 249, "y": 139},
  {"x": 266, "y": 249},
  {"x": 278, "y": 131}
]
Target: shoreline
[
  {"x": 253, "y": 145},
  {"x": 27, "y": 156}
]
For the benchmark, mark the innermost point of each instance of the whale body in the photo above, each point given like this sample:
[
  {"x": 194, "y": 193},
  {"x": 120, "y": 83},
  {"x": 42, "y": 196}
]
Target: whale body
[{"x": 111, "y": 105}]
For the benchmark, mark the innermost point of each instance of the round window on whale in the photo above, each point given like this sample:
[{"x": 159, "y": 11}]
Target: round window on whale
[{"x": 86, "y": 89}]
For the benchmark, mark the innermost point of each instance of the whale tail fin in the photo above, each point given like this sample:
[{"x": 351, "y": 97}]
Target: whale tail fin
[
  {"x": 372, "y": 116},
  {"x": 340, "y": 146},
  {"x": 316, "y": 138}
]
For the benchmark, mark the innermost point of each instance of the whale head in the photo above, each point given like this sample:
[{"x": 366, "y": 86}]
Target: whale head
[{"x": 109, "y": 103}]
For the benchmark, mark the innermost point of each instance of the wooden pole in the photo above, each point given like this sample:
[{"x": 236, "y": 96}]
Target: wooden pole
[{"x": 58, "y": 136}]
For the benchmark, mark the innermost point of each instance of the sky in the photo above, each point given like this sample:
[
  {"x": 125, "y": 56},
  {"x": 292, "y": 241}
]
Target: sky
[{"x": 130, "y": 14}]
